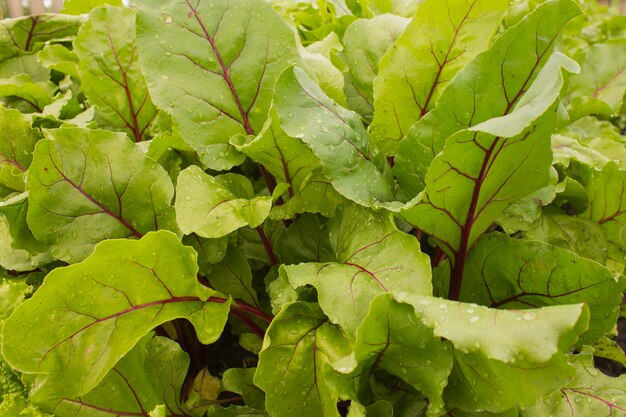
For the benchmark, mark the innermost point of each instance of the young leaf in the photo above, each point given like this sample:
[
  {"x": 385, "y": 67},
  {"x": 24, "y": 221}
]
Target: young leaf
[
  {"x": 59, "y": 58},
  {"x": 520, "y": 354},
  {"x": 151, "y": 374},
  {"x": 297, "y": 352},
  {"x": 335, "y": 135},
  {"x": 489, "y": 86},
  {"x": 17, "y": 142},
  {"x": 89, "y": 185},
  {"x": 111, "y": 76},
  {"x": 15, "y": 259},
  {"x": 487, "y": 167},
  {"x": 122, "y": 291},
  {"x": 372, "y": 257},
  {"x": 212, "y": 207},
  {"x": 519, "y": 274},
  {"x": 442, "y": 37},
  {"x": 212, "y": 65},
  {"x": 364, "y": 44}
]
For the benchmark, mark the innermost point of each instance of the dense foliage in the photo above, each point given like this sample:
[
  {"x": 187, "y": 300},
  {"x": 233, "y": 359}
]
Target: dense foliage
[{"x": 309, "y": 208}]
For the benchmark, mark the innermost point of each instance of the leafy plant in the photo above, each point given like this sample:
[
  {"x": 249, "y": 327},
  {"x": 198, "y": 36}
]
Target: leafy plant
[{"x": 312, "y": 208}]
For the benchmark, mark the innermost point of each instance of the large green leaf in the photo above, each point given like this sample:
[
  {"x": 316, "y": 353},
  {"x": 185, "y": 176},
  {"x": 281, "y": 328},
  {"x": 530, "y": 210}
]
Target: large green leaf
[
  {"x": 491, "y": 85},
  {"x": 111, "y": 76},
  {"x": 519, "y": 274},
  {"x": 600, "y": 86},
  {"x": 151, "y": 374},
  {"x": 589, "y": 393},
  {"x": 121, "y": 292},
  {"x": 487, "y": 167},
  {"x": 89, "y": 185},
  {"x": 335, "y": 135},
  {"x": 393, "y": 339},
  {"x": 372, "y": 257},
  {"x": 212, "y": 65},
  {"x": 442, "y": 37},
  {"x": 364, "y": 44},
  {"x": 17, "y": 142},
  {"x": 297, "y": 352},
  {"x": 23, "y": 34},
  {"x": 517, "y": 355},
  {"x": 213, "y": 207}
]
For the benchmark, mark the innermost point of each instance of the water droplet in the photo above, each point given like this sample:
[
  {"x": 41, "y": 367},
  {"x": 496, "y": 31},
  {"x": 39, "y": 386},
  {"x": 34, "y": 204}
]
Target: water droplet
[
  {"x": 165, "y": 77},
  {"x": 529, "y": 316},
  {"x": 324, "y": 129},
  {"x": 443, "y": 306},
  {"x": 474, "y": 319},
  {"x": 168, "y": 19}
]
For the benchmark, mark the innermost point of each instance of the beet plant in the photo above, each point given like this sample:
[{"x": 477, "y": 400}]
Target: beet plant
[{"x": 313, "y": 208}]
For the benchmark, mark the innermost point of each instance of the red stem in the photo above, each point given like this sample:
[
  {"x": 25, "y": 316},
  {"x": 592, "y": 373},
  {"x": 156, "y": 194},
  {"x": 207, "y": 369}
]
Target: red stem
[
  {"x": 247, "y": 321},
  {"x": 267, "y": 244}
]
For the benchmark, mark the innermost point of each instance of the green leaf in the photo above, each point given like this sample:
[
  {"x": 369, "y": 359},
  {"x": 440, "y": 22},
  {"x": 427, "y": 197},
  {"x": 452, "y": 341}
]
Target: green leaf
[
  {"x": 59, "y": 58},
  {"x": 89, "y": 185},
  {"x": 233, "y": 277},
  {"x": 286, "y": 158},
  {"x": 372, "y": 257},
  {"x": 602, "y": 80},
  {"x": 24, "y": 34},
  {"x": 305, "y": 240},
  {"x": 297, "y": 352},
  {"x": 405, "y": 8},
  {"x": 580, "y": 236},
  {"x": 317, "y": 195},
  {"x": 393, "y": 339},
  {"x": 212, "y": 207},
  {"x": 318, "y": 56},
  {"x": 234, "y": 411},
  {"x": 335, "y": 135},
  {"x": 520, "y": 274},
  {"x": 36, "y": 95},
  {"x": 15, "y": 259},
  {"x": 85, "y": 6},
  {"x": 491, "y": 85},
  {"x": 442, "y": 37},
  {"x": 17, "y": 142},
  {"x": 152, "y": 373},
  {"x": 122, "y": 291},
  {"x": 518, "y": 354},
  {"x": 488, "y": 167},
  {"x": 239, "y": 380},
  {"x": 219, "y": 68},
  {"x": 364, "y": 44},
  {"x": 609, "y": 348},
  {"x": 607, "y": 206},
  {"x": 15, "y": 210},
  {"x": 111, "y": 76},
  {"x": 589, "y": 393}
]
